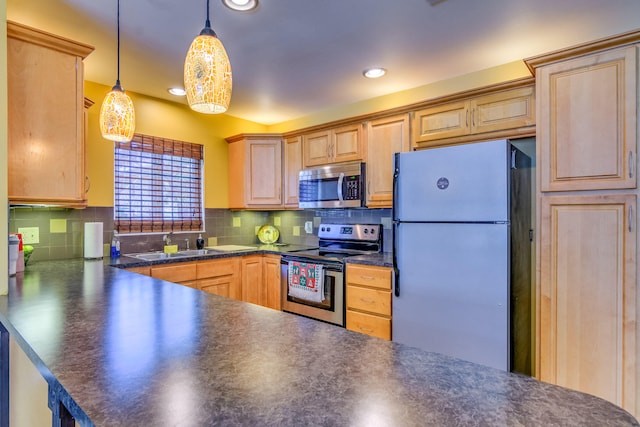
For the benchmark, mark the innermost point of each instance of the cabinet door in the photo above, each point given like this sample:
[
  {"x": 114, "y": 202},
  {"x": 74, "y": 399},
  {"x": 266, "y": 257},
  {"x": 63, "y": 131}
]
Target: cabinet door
[
  {"x": 442, "y": 121},
  {"x": 587, "y": 295},
  {"x": 384, "y": 138},
  {"x": 346, "y": 144},
  {"x": 180, "y": 272},
  {"x": 252, "y": 287},
  {"x": 292, "y": 167},
  {"x": 144, "y": 270},
  {"x": 265, "y": 172},
  {"x": 587, "y": 122},
  {"x": 503, "y": 110},
  {"x": 220, "y": 277},
  {"x": 316, "y": 148},
  {"x": 45, "y": 118},
  {"x": 271, "y": 279}
]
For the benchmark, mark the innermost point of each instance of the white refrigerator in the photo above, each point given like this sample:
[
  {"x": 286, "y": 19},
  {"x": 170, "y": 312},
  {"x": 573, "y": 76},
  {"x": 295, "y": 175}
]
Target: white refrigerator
[{"x": 461, "y": 217}]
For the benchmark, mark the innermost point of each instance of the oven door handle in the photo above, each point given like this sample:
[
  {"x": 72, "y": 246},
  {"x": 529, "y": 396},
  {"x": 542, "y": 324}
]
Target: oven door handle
[{"x": 340, "y": 182}]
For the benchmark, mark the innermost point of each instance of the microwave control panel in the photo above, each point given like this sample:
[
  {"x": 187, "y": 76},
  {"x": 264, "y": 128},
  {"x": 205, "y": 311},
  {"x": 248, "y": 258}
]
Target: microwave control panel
[{"x": 352, "y": 187}]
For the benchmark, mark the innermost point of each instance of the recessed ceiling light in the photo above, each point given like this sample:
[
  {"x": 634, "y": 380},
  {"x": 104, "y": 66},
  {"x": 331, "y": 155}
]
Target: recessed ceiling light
[
  {"x": 242, "y": 5},
  {"x": 177, "y": 91},
  {"x": 374, "y": 73}
]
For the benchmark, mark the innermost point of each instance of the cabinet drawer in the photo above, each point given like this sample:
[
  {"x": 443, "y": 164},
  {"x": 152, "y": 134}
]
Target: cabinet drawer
[
  {"x": 218, "y": 267},
  {"x": 375, "y": 277},
  {"x": 179, "y": 272},
  {"x": 369, "y": 324},
  {"x": 371, "y": 300}
]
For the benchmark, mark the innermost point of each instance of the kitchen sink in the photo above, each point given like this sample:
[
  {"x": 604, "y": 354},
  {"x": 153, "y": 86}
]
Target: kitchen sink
[{"x": 153, "y": 256}]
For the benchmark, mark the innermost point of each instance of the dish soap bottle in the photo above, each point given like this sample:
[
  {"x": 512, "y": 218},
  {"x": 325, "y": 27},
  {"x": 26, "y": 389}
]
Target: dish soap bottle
[
  {"x": 115, "y": 246},
  {"x": 200, "y": 242}
]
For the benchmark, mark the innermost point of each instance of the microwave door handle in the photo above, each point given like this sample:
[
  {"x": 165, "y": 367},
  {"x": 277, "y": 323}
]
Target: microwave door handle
[{"x": 340, "y": 181}]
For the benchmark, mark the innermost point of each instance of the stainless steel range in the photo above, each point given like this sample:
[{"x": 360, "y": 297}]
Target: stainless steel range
[{"x": 336, "y": 241}]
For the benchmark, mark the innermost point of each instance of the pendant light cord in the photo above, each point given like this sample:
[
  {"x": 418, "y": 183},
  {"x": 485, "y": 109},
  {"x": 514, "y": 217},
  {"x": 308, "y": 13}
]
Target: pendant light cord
[
  {"x": 118, "y": 15},
  {"x": 207, "y": 23}
]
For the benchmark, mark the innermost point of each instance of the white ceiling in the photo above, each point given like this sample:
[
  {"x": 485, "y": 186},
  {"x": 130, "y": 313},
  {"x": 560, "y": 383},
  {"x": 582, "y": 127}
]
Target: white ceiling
[{"x": 292, "y": 58}]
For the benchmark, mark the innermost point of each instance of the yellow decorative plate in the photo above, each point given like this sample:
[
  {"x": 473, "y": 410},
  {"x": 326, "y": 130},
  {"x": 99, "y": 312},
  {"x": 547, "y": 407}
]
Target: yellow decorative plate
[{"x": 268, "y": 234}]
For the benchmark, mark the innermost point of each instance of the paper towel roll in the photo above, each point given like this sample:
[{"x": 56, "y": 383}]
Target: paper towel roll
[{"x": 92, "y": 240}]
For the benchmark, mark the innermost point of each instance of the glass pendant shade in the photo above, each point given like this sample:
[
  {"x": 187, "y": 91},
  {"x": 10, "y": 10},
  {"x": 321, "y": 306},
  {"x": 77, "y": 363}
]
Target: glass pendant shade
[
  {"x": 117, "y": 116},
  {"x": 207, "y": 74}
]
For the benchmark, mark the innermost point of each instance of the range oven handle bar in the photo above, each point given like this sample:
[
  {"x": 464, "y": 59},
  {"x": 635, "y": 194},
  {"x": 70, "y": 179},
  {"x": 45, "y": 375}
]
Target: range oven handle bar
[{"x": 328, "y": 265}]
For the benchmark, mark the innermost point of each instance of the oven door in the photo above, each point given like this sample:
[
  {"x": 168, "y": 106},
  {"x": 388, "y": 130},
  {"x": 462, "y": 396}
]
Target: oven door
[{"x": 331, "y": 309}]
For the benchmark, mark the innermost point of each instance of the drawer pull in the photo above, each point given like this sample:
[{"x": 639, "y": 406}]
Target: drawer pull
[
  {"x": 365, "y": 329},
  {"x": 367, "y": 300},
  {"x": 367, "y": 277}
]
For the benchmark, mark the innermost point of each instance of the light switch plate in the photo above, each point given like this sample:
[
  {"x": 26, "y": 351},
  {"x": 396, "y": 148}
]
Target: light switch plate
[
  {"x": 29, "y": 234},
  {"x": 58, "y": 225},
  {"x": 296, "y": 230},
  {"x": 236, "y": 221},
  {"x": 276, "y": 221},
  {"x": 308, "y": 227}
]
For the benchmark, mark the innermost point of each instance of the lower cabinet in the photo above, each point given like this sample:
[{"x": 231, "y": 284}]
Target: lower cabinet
[
  {"x": 369, "y": 300},
  {"x": 587, "y": 295},
  {"x": 183, "y": 273},
  {"x": 220, "y": 277},
  {"x": 261, "y": 280},
  {"x": 251, "y": 278}
]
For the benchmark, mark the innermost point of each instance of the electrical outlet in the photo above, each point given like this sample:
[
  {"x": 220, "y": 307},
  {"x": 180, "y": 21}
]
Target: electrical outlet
[
  {"x": 386, "y": 223},
  {"x": 276, "y": 221},
  {"x": 308, "y": 227},
  {"x": 236, "y": 221},
  {"x": 296, "y": 230},
  {"x": 29, "y": 234}
]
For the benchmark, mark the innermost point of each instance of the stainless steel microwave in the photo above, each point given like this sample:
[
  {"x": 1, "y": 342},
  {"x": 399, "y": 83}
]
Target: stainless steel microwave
[{"x": 332, "y": 186}]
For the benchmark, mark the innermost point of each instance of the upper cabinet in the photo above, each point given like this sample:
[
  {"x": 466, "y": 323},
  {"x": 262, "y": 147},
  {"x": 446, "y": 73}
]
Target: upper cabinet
[
  {"x": 478, "y": 115},
  {"x": 342, "y": 144},
  {"x": 46, "y": 153},
  {"x": 587, "y": 121},
  {"x": 384, "y": 137},
  {"x": 255, "y": 171},
  {"x": 292, "y": 167}
]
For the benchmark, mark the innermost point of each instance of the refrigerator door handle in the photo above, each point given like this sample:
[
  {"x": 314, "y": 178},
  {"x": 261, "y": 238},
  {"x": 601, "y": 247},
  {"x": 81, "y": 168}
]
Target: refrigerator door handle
[
  {"x": 396, "y": 270},
  {"x": 394, "y": 194}
]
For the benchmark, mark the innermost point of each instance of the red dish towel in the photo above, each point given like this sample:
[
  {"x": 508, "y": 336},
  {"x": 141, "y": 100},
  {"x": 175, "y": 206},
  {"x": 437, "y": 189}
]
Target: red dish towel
[{"x": 306, "y": 281}]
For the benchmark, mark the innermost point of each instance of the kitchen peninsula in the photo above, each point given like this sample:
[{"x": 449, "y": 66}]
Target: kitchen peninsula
[{"x": 127, "y": 349}]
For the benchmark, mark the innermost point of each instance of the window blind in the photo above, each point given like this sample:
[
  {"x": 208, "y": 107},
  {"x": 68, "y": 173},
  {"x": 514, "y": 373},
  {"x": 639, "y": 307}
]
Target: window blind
[{"x": 158, "y": 185}]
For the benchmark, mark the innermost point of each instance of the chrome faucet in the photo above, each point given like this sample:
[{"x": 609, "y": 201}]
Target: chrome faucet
[
  {"x": 167, "y": 238},
  {"x": 187, "y": 241}
]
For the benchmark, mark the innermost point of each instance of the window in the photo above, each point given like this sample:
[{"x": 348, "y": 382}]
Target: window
[{"x": 158, "y": 185}]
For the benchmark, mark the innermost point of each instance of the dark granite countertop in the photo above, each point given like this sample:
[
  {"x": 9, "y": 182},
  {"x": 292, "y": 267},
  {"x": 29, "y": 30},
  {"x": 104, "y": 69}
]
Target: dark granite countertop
[
  {"x": 384, "y": 259},
  {"x": 129, "y": 261},
  {"x": 133, "y": 350}
]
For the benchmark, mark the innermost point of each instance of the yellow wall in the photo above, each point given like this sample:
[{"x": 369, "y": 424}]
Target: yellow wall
[
  {"x": 169, "y": 120},
  {"x": 511, "y": 71}
]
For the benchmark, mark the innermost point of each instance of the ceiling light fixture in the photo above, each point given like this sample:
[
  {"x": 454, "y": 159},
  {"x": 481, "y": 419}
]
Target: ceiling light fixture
[
  {"x": 374, "y": 73},
  {"x": 177, "y": 91},
  {"x": 207, "y": 73},
  {"x": 117, "y": 115},
  {"x": 241, "y": 5}
]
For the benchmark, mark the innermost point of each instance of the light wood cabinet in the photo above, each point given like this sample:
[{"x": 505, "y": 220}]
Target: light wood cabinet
[
  {"x": 255, "y": 171},
  {"x": 587, "y": 285},
  {"x": 587, "y": 301},
  {"x": 220, "y": 277},
  {"x": 292, "y": 167},
  {"x": 492, "y": 115},
  {"x": 368, "y": 300},
  {"x": 261, "y": 280},
  {"x": 144, "y": 270},
  {"x": 46, "y": 152},
  {"x": 384, "y": 137},
  {"x": 271, "y": 280},
  {"x": 183, "y": 273},
  {"x": 341, "y": 144},
  {"x": 587, "y": 124}
]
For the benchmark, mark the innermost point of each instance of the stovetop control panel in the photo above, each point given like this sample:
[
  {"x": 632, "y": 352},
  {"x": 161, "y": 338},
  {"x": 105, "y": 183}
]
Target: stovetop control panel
[{"x": 362, "y": 232}]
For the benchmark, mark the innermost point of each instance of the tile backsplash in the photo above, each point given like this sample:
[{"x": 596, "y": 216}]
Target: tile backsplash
[{"x": 61, "y": 230}]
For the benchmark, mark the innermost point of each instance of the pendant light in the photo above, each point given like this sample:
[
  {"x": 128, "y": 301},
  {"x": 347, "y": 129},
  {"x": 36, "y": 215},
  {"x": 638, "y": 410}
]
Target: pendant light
[
  {"x": 207, "y": 73},
  {"x": 117, "y": 116}
]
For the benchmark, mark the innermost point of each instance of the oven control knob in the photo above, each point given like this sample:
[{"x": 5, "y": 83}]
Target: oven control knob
[
  {"x": 366, "y": 231},
  {"x": 373, "y": 231},
  {"x": 328, "y": 229}
]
